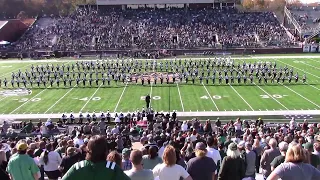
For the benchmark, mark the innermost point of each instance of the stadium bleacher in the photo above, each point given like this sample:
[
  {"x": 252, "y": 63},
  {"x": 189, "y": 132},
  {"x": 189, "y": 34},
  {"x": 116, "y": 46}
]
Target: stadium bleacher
[{"x": 89, "y": 29}]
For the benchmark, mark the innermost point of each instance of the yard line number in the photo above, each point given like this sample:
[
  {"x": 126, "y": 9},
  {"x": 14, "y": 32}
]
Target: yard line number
[
  {"x": 299, "y": 62},
  {"x": 27, "y": 99},
  {"x": 214, "y": 97},
  {"x": 93, "y": 99},
  {"x": 277, "y": 96}
]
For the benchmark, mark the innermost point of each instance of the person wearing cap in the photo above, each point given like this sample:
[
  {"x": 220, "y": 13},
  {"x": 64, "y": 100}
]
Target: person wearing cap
[
  {"x": 314, "y": 159},
  {"x": 95, "y": 166},
  {"x": 201, "y": 167},
  {"x": 126, "y": 163},
  {"x": 21, "y": 166},
  {"x": 138, "y": 172},
  {"x": 232, "y": 166}
]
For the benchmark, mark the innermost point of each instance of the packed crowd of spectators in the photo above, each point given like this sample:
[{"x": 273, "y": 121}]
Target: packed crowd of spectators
[
  {"x": 89, "y": 29},
  {"x": 170, "y": 150}
]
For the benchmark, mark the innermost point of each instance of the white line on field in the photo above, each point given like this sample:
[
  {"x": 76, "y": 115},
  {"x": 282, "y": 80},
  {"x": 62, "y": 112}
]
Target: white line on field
[
  {"x": 90, "y": 98},
  {"x": 3, "y": 98},
  {"x": 314, "y": 60},
  {"x": 124, "y": 89},
  {"x": 271, "y": 96},
  {"x": 59, "y": 100},
  {"x": 310, "y": 65},
  {"x": 151, "y": 94},
  {"x": 298, "y": 68},
  {"x": 210, "y": 97},
  {"x": 313, "y": 86},
  {"x": 301, "y": 95},
  {"x": 241, "y": 97},
  {"x": 28, "y": 101},
  {"x": 3, "y": 75},
  {"x": 180, "y": 97}
]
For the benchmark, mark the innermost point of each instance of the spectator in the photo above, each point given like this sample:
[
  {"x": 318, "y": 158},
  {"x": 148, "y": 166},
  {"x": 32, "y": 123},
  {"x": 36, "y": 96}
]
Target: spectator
[
  {"x": 232, "y": 166},
  {"x": 169, "y": 170},
  {"x": 73, "y": 156},
  {"x": 314, "y": 159},
  {"x": 114, "y": 156},
  {"x": 258, "y": 150},
  {"x": 152, "y": 159},
  {"x": 283, "y": 147},
  {"x": 78, "y": 140},
  {"x": 250, "y": 162},
  {"x": 202, "y": 167},
  {"x": 296, "y": 166},
  {"x": 95, "y": 164},
  {"x": 51, "y": 161},
  {"x": 126, "y": 163},
  {"x": 268, "y": 156},
  {"x": 213, "y": 153},
  {"x": 316, "y": 147},
  {"x": 138, "y": 172},
  {"x": 3, "y": 160},
  {"x": 42, "y": 146},
  {"x": 21, "y": 166}
]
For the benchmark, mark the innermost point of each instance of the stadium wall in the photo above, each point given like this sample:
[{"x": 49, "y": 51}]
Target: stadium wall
[{"x": 169, "y": 53}]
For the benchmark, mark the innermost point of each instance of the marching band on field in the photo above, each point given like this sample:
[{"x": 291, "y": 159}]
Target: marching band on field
[{"x": 90, "y": 73}]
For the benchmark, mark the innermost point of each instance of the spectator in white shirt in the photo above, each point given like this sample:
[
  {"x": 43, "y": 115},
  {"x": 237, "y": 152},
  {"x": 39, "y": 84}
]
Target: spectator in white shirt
[
  {"x": 51, "y": 161},
  {"x": 115, "y": 130},
  {"x": 184, "y": 126},
  {"x": 213, "y": 153},
  {"x": 78, "y": 140}
]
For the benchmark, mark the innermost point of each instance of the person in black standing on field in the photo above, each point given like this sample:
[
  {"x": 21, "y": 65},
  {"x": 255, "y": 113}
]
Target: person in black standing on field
[{"x": 148, "y": 100}]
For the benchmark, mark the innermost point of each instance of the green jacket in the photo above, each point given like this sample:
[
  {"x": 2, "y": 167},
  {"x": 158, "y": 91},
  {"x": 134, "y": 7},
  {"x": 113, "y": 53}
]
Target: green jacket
[{"x": 87, "y": 170}]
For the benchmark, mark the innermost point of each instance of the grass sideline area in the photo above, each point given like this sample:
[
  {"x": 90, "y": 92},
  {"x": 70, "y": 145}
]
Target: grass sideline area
[{"x": 167, "y": 97}]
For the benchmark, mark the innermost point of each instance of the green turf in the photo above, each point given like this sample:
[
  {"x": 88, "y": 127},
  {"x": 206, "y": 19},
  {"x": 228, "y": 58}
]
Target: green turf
[{"x": 181, "y": 97}]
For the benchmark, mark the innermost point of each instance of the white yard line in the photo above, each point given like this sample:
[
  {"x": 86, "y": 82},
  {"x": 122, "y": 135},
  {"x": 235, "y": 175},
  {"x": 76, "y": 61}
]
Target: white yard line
[
  {"x": 3, "y": 98},
  {"x": 314, "y": 60},
  {"x": 180, "y": 97},
  {"x": 8, "y": 73},
  {"x": 310, "y": 65},
  {"x": 28, "y": 100},
  {"x": 124, "y": 89},
  {"x": 271, "y": 96},
  {"x": 151, "y": 94},
  {"x": 59, "y": 100},
  {"x": 311, "y": 86},
  {"x": 298, "y": 68},
  {"x": 95, "y": 92},
  {"x": 300, "y": 95},
  {"x": 241, "y": 97},
  {"x": 211, "y": 97}
]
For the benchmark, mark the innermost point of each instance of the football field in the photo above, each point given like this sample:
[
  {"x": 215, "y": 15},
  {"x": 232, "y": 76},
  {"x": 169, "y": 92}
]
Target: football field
[{"x": 182, "y": 97}]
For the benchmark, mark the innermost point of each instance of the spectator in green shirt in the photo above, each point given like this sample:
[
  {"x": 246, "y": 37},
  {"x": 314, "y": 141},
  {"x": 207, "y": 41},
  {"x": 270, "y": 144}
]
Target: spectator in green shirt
[
  {"x": 21, "y": 166},
  {"x": 95, "y": 166}
]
